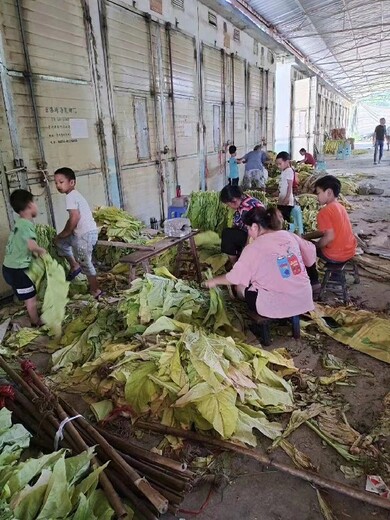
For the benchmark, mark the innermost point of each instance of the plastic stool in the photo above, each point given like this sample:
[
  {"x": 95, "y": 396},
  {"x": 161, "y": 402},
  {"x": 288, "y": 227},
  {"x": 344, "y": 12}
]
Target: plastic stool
[
  {"x": 176, "y": 212},
  {"x": 335, "y": 278},
  {"x": 263, "y": 324}
]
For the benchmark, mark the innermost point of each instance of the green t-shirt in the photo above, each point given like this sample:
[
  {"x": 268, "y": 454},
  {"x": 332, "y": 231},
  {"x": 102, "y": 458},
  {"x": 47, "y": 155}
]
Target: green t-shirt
[{"x": 17, "y": 254}]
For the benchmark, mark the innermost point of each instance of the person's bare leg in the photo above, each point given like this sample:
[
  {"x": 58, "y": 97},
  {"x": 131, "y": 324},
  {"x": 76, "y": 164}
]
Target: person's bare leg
[
  {"x": 232, "y": 259},
  {"x": 240, "y": 291},
  {"x": 74, "y": 265},
  {"x": 94, "y": 288},
  {"x": 32, "y": 310}
]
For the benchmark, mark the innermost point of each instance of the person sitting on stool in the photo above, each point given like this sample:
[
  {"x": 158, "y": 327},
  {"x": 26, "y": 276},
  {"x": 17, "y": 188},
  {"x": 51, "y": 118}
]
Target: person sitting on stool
[
  {"x": 270, "y": 274},
  {"x": 337, "y": 242},
  {"x": 235, "y": 239}
]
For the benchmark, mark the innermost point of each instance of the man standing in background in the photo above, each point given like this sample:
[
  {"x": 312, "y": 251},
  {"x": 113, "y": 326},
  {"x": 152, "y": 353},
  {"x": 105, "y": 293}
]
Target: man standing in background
[
  {"x": 255, "y": 175},
  {"x": 379, "y": 140}
]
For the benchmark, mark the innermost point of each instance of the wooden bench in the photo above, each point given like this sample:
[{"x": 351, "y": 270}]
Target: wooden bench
[
  {"x": 143, "y": 257},
  {"x": 263, "y": 325}
]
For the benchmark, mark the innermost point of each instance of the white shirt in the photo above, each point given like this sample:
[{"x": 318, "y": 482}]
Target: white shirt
[
  {"x": 287, "y": 175},
  {"x": 74, "y": 200}
]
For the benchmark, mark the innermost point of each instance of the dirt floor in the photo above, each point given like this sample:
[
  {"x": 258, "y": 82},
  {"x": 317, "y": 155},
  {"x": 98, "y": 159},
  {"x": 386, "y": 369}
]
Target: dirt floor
[{"x": 249, "y": 491}]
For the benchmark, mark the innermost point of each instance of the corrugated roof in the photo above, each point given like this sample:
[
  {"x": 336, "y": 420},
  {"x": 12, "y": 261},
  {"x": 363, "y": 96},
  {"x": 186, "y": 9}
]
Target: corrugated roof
[{"x": 349, "y": 40}]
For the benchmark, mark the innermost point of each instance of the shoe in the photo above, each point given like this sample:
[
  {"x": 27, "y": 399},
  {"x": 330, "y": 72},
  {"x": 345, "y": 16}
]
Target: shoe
[
  {"x": 72, "y": 275},
  {"x": 375, "y": 163}
]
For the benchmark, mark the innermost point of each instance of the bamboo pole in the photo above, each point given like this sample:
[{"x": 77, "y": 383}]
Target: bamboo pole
[
  {"x": 136, "y": 451},
  {"x": 110, "y": 492},
  {"x": 159, "y": 502},
  {"x": 124, "y": 490},
  {"x": 309, "y": 476}
]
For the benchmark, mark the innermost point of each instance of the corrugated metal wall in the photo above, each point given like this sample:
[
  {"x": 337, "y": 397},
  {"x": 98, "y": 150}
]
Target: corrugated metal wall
[{"x": 132, "y": 102}]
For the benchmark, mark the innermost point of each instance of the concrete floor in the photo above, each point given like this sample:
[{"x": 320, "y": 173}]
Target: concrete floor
[{"x": 251, "y": 492}]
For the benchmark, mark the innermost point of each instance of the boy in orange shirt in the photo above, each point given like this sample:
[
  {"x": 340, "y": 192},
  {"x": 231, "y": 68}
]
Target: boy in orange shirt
[{"x": 337, "y": 242}]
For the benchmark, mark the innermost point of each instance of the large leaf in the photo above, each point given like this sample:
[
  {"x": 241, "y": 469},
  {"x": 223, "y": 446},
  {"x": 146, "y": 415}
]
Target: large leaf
[
  {"x": 248, "y": 420},
  {"x": 218, "y": 408},
  {"x": 140, "y": 390},
  {"x": 56, "y": 502},
  {"x": 56, "y": 293},
  {"x": 78, "y": 466},
  {"x": 28, "y": 502},
  {"x": 17, "y": 435},
  {"x": 31, "y": 468}
]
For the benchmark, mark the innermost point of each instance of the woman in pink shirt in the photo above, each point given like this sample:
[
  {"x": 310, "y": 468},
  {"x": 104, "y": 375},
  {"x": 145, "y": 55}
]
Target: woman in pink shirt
[{"x": 270, "y": 273}]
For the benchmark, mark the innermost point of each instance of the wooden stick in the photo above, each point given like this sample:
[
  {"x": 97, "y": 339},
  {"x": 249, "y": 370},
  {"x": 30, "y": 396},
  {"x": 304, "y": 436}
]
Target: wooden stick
[
  {"x": 124, "y": 490},
  {"x": 309, "y": 476},
  {"x": 136, "y": 451},
  {"x": 110, "y": 492},
  {"x": 124, "y": 245},
  {"x": 159, "y": 502}
]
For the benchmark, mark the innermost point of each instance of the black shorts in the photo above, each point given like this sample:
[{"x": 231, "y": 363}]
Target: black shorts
[
  {"x": 21, "y": 284},
  {"x": 285, "y": 211},
  {"x": 233, "y": 241},
  {"x": 251, "y": 298}
]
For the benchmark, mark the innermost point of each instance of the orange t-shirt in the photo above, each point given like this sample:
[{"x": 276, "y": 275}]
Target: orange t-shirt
[{"x": 343, "y": 247}]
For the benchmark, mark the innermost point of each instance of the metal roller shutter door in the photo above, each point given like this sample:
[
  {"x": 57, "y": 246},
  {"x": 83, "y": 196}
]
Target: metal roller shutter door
[
  {"x": 64, "y": 97},
  {"x": 130, "y": 69},
  {"x": 186, "y": 110},
  {"x": 212, "y": 75}
]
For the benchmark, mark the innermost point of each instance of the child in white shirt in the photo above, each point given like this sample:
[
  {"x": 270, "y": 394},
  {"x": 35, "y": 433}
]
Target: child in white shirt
[
  {"x": 286, "y": 196},
  {"x": 79, "y": 236}
]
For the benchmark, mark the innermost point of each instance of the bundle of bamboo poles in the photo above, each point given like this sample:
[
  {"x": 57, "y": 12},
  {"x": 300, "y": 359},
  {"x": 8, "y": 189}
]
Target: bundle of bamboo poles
[{"x": 153, "y": 484}]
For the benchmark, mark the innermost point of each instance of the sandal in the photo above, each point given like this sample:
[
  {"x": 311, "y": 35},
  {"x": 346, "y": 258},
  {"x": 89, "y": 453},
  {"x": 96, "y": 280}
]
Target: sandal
[
  {"x": 72, "y": 275},
  {"x": 99, "y": 295}
]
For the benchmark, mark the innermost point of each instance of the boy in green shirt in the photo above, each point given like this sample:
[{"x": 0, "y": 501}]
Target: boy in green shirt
[{"x": 21, "y": 247}]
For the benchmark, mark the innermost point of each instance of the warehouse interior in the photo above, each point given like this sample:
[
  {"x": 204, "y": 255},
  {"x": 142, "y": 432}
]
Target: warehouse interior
[{"x": 157, "y": 393}]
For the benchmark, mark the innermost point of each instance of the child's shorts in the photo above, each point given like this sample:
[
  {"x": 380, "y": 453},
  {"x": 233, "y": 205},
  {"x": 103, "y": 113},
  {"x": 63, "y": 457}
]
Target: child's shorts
[
  {"x": 81, "y": 248},
  {"x": 20, "y": 283}
]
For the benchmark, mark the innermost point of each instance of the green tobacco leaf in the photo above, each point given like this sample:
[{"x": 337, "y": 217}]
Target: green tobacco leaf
[
  {"x": 56, "y": 502},
  {"x": 78, "y": 324},
  {"x": 16, "y": 436},
  {"x": 248, "y": 420},
  {"x": 177, "y": 372},
  {"x": 56, "y": 293},
  {"x": 5, "y": 419},
  {"x": 31, "y": 468},
  {"x": 217, "y": 407},
  {"x": 102, "y": 409},
  {"x": 28, "y": 502},
  {"x": 208, "y": 349},
  {"x": 164, "y": 324},
  {"x": 88, "y": 485},
  {"x": 77, "y": 466},
  {"x": 101, "y": 508},
  {"x": 139, "y": 389},
  {"x": 22, "y": 338},
  {"x": 83, "y": 511}
]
